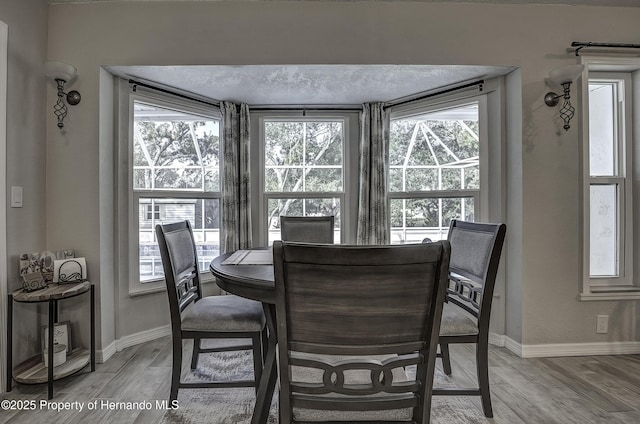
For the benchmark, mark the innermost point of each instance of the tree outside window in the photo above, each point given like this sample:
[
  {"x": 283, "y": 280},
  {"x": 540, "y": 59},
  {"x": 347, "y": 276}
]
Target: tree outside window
[
  {"x": 303, "y": 170},
  {"x": 434, "y": 172},
  {"x": 175, "y": 176}
]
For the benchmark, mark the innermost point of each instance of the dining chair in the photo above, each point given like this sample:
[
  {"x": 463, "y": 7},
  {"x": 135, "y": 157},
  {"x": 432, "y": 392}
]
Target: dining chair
[
  {"x": 308, "y": 229},
  {"x": 350, "y": 319},
  {"x": 475, "y": 256},
  {"x": 198, "y": 317}
]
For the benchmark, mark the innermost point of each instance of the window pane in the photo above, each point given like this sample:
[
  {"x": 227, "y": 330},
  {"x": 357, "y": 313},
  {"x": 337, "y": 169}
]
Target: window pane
[
  {"x": 323, "y": 144},
  {"x": 424, "y": 179},
  {"x": 415, "y": 219},
  {"x": 603, "y": 258},
  {"x": 301, "y": 207},
  {"x": 283, "y": 179},
  {"x": 176, "y": 178},
  {"x": 452, "y": 178},
  {"x": 283, "y": 143},
  {"x": 174, "y": 150},
  {"x": 471, "y": 177},
  {"x": 602, "y": 129},
  {"x": 323, "y": 179},
  {"x": 303, "y": 156},
  {"x": 446, "y": 140},
  {"x": 204, "y": 216}
]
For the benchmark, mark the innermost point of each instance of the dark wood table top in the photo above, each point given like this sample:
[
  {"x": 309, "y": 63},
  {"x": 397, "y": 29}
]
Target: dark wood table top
[{"x": 251, "y": 281}]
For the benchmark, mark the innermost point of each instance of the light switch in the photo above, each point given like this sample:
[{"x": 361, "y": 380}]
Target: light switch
[{"x": 16, "y": 197}]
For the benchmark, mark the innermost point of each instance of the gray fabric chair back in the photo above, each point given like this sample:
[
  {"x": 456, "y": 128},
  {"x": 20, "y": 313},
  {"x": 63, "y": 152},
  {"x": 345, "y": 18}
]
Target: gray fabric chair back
[
  {"x": 475, "y": 256},
  {"x": 180, "y": 264},
  {"x": 307, "y": 229},
  {"x": 358, "y": 301}
]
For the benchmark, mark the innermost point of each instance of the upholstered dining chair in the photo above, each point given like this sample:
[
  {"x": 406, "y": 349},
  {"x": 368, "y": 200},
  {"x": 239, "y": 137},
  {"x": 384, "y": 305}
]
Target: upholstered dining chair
[
  {"x": 475, "y": 256},
  {"x": 350, "y": 319},
  {"x": 210, "y": 317},
  {"x": 308, "y": 229}
]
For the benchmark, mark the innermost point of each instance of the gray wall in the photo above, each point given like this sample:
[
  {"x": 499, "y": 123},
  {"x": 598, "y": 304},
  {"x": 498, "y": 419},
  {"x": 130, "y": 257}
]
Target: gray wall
[
  {"x": 26, "y": 151},
  {"x": 543, "y": 267}
]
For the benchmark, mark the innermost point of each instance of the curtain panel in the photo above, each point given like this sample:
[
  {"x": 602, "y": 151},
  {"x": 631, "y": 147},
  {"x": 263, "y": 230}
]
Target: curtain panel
[
  {"x": 373, "y": 212},
  {"x": 236, "y": 205}
]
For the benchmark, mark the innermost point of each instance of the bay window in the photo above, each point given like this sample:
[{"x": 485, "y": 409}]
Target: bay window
[
  {"x": 434, "y": 169},
  {"x": 174, "y": 175},
  {"x": 304, "y": 169}
]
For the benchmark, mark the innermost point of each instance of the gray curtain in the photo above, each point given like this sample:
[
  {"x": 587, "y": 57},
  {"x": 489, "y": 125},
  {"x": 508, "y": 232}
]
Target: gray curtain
[
  {"x": 236, "y": 207},
  {"x": 373, "y": 208}
]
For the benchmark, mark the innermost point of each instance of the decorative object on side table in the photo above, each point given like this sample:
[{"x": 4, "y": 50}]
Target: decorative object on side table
[
  {"x": 69, "y": 270},
  {"x": 61, "y": 335},
  {"x": 59, "y": 355},
  {"x": 36, "y": 269},
  {"x": 33, "y": 281}
]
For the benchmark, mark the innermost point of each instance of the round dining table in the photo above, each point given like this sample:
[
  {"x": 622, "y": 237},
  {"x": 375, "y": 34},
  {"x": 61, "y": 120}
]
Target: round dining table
[{"x": 254, "y": 282}]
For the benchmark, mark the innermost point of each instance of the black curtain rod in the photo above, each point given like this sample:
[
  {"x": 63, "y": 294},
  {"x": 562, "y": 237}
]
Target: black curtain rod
[
  {"x": 305, "y": 109},
  {"x": 260, "y": 108},
  {"x": 583, "y": 44},
  {"x": 479, "y": 83},
  {"x": 184, "y": 96}
]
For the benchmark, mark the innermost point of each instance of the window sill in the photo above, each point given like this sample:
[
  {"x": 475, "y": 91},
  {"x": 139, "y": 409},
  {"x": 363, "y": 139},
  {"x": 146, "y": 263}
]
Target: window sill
[
  {"x": 144, "y": 291},
  {"x": 611, "y": 293}
]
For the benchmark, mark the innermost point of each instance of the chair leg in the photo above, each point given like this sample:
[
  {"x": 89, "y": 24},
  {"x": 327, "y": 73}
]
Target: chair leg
[
  {"x": 256, "y": 340},
  {"x": 176, "y": 368},
  {"x": 482, "y": 365},
  {"x": 264, "y": 341},
  {"x": 195, "y": 353},
  {"x": 446, "y": 361}
]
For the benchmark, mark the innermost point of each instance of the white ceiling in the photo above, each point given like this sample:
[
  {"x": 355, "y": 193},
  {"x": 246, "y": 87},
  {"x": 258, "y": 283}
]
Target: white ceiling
[{"x": 307, "y": 84}]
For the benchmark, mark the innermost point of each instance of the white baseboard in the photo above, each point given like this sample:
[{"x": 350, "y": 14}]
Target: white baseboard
[
  {"x": 103, "y": 355},
  {"x": 497, "y": 339},
  {"x": 513, "y": 346},
  {"x": 500, "y": 340},
  {"x": 581, "y": 349},
  {"x": 132, "y": 340},
  {"x": 571, "y": 349}
]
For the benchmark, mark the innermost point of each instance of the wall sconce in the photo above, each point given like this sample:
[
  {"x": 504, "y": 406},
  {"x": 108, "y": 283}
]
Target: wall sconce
[
  {"x": 564, "y": 77},
  {"x": 62, "y": 73}
]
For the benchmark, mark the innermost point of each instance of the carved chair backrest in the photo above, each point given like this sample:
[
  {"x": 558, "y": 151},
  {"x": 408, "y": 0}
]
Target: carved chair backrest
[
  {"x": 358, "y": 301},
  {"x": 475, "y": 256},
  {"x": 180, "y": 264}
]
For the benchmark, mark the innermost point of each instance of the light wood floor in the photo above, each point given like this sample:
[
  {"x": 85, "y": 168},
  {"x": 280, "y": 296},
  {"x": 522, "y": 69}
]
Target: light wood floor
[{"x": 591, "y": 389}]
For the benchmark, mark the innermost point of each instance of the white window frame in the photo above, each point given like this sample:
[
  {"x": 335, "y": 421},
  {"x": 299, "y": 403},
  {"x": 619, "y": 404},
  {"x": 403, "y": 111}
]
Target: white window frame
[
  {"x": 480, "y": 196},
  {"x": 349, "y": 194},
  {"x": 136, "y": 287},
  {"x": 612, "y": 69}
]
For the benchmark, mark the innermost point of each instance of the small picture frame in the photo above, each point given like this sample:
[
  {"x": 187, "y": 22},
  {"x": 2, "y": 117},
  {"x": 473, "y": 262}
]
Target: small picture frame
[{"x": 61, "y": 335}]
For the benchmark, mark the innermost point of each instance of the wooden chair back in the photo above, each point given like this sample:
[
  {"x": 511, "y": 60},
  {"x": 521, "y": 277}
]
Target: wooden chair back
[
  {"x": 307, "y": 229},
  {"x": 475, "y": 256},
  {"x": 180, "y": 264},
  {"x": 358, "y": 301}
]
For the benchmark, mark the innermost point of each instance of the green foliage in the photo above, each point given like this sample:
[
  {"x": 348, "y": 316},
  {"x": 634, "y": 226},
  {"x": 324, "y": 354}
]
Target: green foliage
[
  {"x": 303, "y": 156},
  {"x": 172, "y": 155},
  {"x": 430, "y": 152}
]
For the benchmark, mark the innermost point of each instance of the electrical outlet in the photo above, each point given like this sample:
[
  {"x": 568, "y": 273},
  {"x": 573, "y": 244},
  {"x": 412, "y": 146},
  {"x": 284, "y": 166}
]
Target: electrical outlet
[{"x": 602, "y": 324}]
